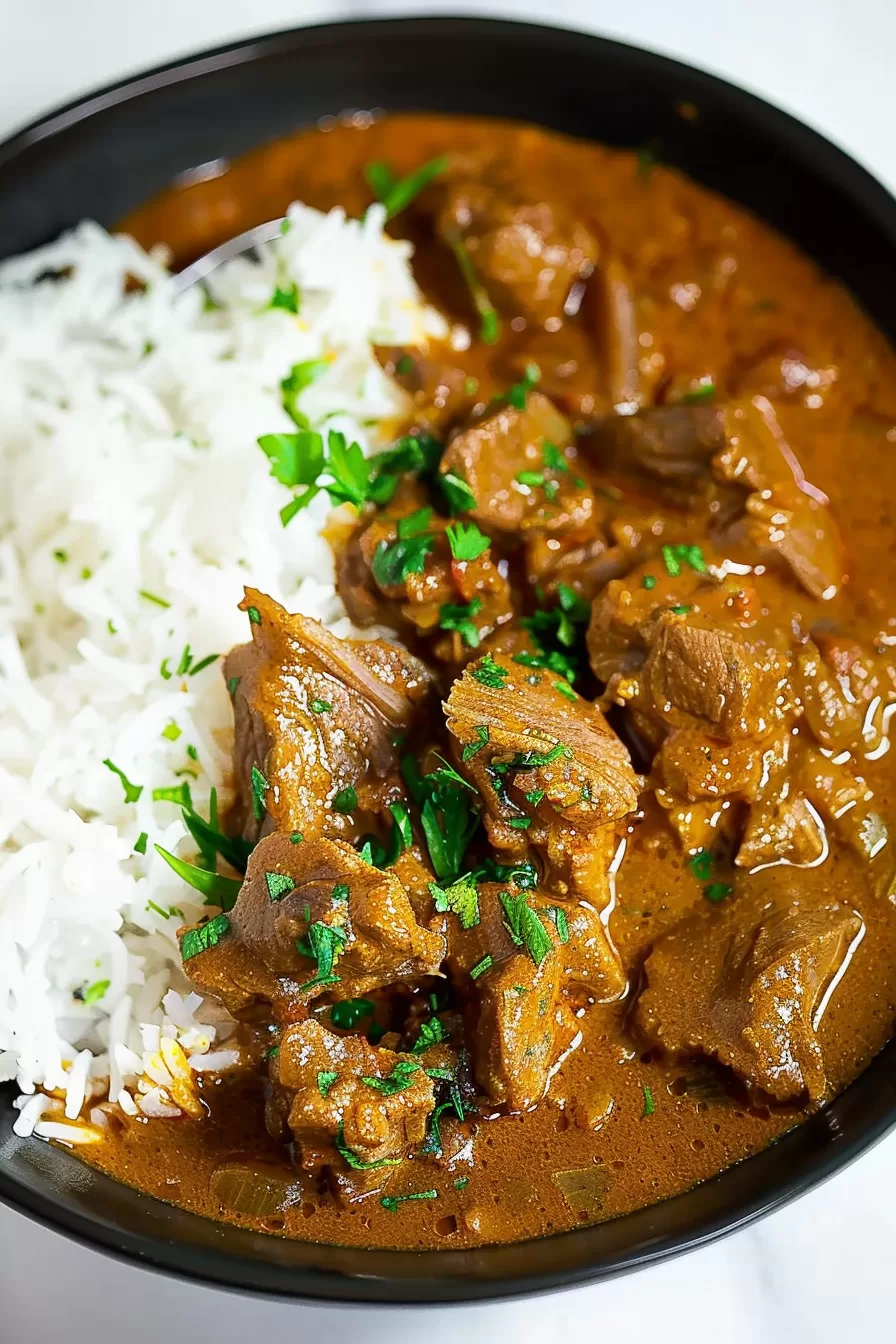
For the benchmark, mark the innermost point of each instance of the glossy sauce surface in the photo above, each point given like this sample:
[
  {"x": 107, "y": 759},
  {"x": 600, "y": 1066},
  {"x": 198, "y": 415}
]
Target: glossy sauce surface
[{"x": 717, "y": 293}]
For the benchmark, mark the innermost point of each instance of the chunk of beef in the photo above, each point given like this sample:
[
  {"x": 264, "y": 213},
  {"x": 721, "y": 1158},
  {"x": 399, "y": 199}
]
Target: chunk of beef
[
  {"x": 786, "y": 517},
  {"x": 672, "y": 445},
  {"x": 509, "y": 443},
  {"x": 430, "y": 579},
  {"x": 315, "y": 715},
  {"x": 529, "y": 255},
  {"x": 845, "y": 692},
  {"x": 231, "y": 972},
  {"x": 442, "y": 393},
  {"x": 519, "y": 1023},
  {"x": 340, "y": 1119},
  {"x": 612, "y": 313},
  {"x": 550, "y": 770},
  {"x": 744, "y": 984},
  {"x": 320, "y": 894}
]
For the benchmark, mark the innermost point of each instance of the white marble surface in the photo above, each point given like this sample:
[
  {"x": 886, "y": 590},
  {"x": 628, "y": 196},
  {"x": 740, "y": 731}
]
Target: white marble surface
[{"x": 821, "y": 1269}]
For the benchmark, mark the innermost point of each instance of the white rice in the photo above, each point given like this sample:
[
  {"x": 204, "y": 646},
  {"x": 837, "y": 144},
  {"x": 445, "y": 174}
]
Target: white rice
[{"x": 129, "y": 465}]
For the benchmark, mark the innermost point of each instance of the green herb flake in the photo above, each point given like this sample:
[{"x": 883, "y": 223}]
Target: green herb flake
[
  {"x": 520, "y": 823},
  {"x": 489, "y": 673},
  {"x": 431, "y": 1033},
  {"x": 153, "y": 597},
  {"x": 489, "y": 321},
  {"x": 140, "y": 843},
  {"x": 458, "y": 616},
  {"x": 471, "y": 386},
  {"x": 702, "y": 392},
  {"x": 397, "y": 196},
  {"x": 517, "y": 394},
  {"x": 462, "y": 1182},
  {"x": 179, "y": 794},
  {"x": 349, "y": 1012},
  {"x": 323, "y": 943},
  {"x": 534, "y": 479},
  {"x": 254, "y": 615},
  {"x": 296, "y": 838},
  {"x": 325, "y": 1080},
  {"x": 286, "y": 297},
  {"x": 459, "y": 496},
  {"x": 260, "y": 788},
  {"x": 534, "y": 796},
  {"x": 399, "y": 1080},
  {"x": 717, "y": 891},
  {"x": 524, "y": 925},
  {"x": 204, "y": 663},
  {"x": 204, "y": 936},
  {"x": 320, "y": 706},
  {"x": 460, "y": 898},
  {"x": 648, "y": 582},
  {"x": 404, "y": 366},
  {"x": 340, "y": 892},
  {"x": 217, "y": 890},
  {"x": 395, "y": 561},
  {"x": 649, "y": 1103},
  {"x": 278, "y": 885},
  {"x": 392, "y": 1202},
  {"x": 172, "y": 732},
  {"x": 132, "y": 792},
  {"x": 472, "y": 748},
  {"x": 554, "y": 459},
  {"x": 565, "y": 689},
  {"x": 93, "y": 993},
  {"x": 61, "y": 557},
  {"x": 481, "y": 967},
  {"x": 354, "y": 1161},
  {"x": 466, "y": 541},
  {"x": 700, "y": 865},
  {"x": 561, "y": 922},
  {"x": 232, "y": 686},
  {"x": 346, "y": 800}
]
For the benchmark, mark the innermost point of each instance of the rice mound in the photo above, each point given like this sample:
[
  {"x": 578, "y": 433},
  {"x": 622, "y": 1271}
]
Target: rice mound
[{"x": 135, "y": 506}]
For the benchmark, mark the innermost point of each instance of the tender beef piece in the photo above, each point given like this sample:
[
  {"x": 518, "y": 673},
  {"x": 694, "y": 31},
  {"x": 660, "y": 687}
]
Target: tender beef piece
[
  {"x": 530, "y": 255},
  {"x": 494, "y": 451},
  {"x": 416, "y": 600},
  {"x": 611, "y": 313},
  {"x": 845, "y": 691},
  {"x": 842, "y": 798},
  {"x": 672, "y": 445},
  {"x": 232, "y": 973},
  {"x": 374, "y": 1126},
  {"x": 692, "y": 765},
  {"x": 550, "y": 771},
  {"x": 315, "y": 715},
  {"x": 743, "y": 983},
  {"x": 442, "y": 393},
  {"x": 290, "y": 888},
  {"x": 518, "y": 1021},
  {"x": 785, "y": 517},
  {"x": 569, "y": 364}
]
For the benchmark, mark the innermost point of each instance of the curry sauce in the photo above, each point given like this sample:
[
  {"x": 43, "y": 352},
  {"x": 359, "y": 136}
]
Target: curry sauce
[{"x": 731, "y": 323}]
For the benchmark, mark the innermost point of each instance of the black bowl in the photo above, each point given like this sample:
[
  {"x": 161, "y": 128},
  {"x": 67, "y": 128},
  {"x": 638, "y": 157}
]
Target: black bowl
[{"x": 100, "y": 157}]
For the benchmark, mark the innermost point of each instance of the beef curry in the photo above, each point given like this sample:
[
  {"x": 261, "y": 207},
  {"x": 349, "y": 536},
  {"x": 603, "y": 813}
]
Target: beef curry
[{"x": 584, "y": 891}]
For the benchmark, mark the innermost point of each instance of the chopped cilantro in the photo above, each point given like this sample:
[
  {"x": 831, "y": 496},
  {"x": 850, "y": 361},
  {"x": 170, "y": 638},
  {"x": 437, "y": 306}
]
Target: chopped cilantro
[
  {"x": 340, "y": 892},
  {"x": 462, "y": 1182},
  {"x": 648, "y": 582},
  {"x": 472, "y": 748},
  {"x": 325, "y": 1080},
  {"x": 286, "y": 297},
  {"x": 203, "y": 937},
  {"x": 217, "y": 890},
  {"x": 323, "y": 943},
  {"x": 459, "y": 496},
  {"x": 702, "y": 392},
  {"x": 278, "y": 885},
  {"x": 346, "y": 800},
  {"x": 461, "y": 898},
  {"x": 392, "y": 1202},
  {"x": 561, "y": 923},
  {"x": 717, "y": 891},
  {"x": 517, "y": 394},
  {"x": 520, "y": 823},
  {"x": 140, "y": 843},
  {"x": 394, "y": 561},
  {"x": 172, "y": 732},
  {"x": 399, "y": 1080},
  {"x": 565, "y": 689},
  {"x": 179, "y": 794},
  {"x": 489, "y": 322},
  {"x": 404, "y": 366},
  {"x": 132, "y": 792},
  {"x": 260, "y": 788},
  {"x": 680, "y": 610},
  {"x": 397, "y": 196},
  {"x": 232, "y": 685},
  {"x": 466, "y": 541},
  {"x": 431, "y": 1033},
  {"x": 481, "y": 967},
  {"x": 525, "y": 926},
  {"x": 93, "y": 993},
  {"x": 254, "y": 615},
  {"x": 349, "y": 1012},
  {"x": 320, "y": 706},
  {"x": 459, "y": 616},
  {"x": 649, "y": 1104},
  {"x": 554, "y": 459},
  {"x": 152, "y": 597},
  {"x": 490, "y": 673},
  {"x": 534, "y": 479},
  {"x": 296, "y": 838}
]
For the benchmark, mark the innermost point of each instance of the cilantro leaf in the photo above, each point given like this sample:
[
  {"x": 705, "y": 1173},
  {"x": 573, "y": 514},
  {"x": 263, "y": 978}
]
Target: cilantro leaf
[
  {"x": 432, "y": 1032},
  {"x": 324, "y": 943},
  {"x": 459, "y": 616},
  {"x": 461, "y": 898},
  {"x": 132, "y": 792},
  {"x": 397, "y": 196},
  {"x": 524, "y": 925},
  {"x": 466, "y": 541},
  {"x": 217, "y": 890},
  {"x": 399, "y": 1080},
  {"x": 357, "y": 1163},
  {"x": 489, "y": 673},
  {"x": 203, "y": 937},
  {"x": 325, "y": 1080}
]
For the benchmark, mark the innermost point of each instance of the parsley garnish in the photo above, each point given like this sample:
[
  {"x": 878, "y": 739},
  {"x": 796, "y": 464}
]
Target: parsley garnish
[
  {"x": 676, "y": 556},
  {"x": 171, "y": 732},
  {"x": 393, "y": 561},
  {"x": 397, "y": 196},
  {"x": 131, "y": 791},
  {"x": 278, "y": 885},
  {"x": 232, "y": 686},
  {"x": 296, "y": 838},
  {"x": 93, "y": 993},
  {"x": 700, "y": 864},
  {"x": 260, "y": 788},
  {"x": 702, "y": 392},
  {"x": 649, "y": 1104},
  {"x": 354, "y": 1161},
  {"x": 520, "y": 823},
  {"x": 205, "y": 936},
  {"x": 295, "y": 458},
  {"x": 648, "y": 582},
  {"x": 554, "y": 459},
  {"x": 462, "y": 1182},
  {"x": 472, "y": 748},
  {"x": 254, "y": 615},
  {"x": 346, "y": 800},
  {"x": 536, "y": 760},
  {"x": 179, "y": 794},
  {"x": 481, "y": 967},
  {"x": 717, "y": 891},
  {"x": 459, "y": 616},
  {"x": 466, "y": 541},
  {"x": 217, "y": 890},
  {"x": 140, "y": 843},
  {"x": 565, "y": 689},
  {"x": 458, "y": 495},
  {"x": 320, "y": 706},
  {"x": 431, "y": 1033},
  {"x": 561, "y": 626},
  {"x": 525, "y": 926},
  {"x": 517, "y": 393},
  {"x": 324, "y": 943},
  {"x": 286, "y": 297},
  {"x": 399, "y": 1080},
  {"x": 299, "y": 377},
  {"x": 490, "y": 673},
  {"x": 152, "y": 597},
  {"x": 392, "y": 1202},
  {"x": 561, "y": 923},
  {"x": 349, "y": 1012},
  {"x": 489, "y": 322},
  {"x": 210, "y": 841},
  {"x": 461, "y": 898},
  {"x": 325, "y": 1080}
]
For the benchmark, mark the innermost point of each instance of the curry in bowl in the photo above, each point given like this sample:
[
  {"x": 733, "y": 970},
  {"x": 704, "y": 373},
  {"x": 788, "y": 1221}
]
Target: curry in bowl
[{"x": 563, "y": 879}]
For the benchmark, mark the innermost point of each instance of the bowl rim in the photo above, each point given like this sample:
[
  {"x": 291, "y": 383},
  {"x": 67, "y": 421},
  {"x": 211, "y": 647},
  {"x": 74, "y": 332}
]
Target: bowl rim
[{"x": 242, "y": 1274}]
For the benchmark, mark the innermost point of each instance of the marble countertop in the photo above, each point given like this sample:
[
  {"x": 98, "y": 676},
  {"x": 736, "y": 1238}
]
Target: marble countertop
[{"x": 820, "y": 1269}]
